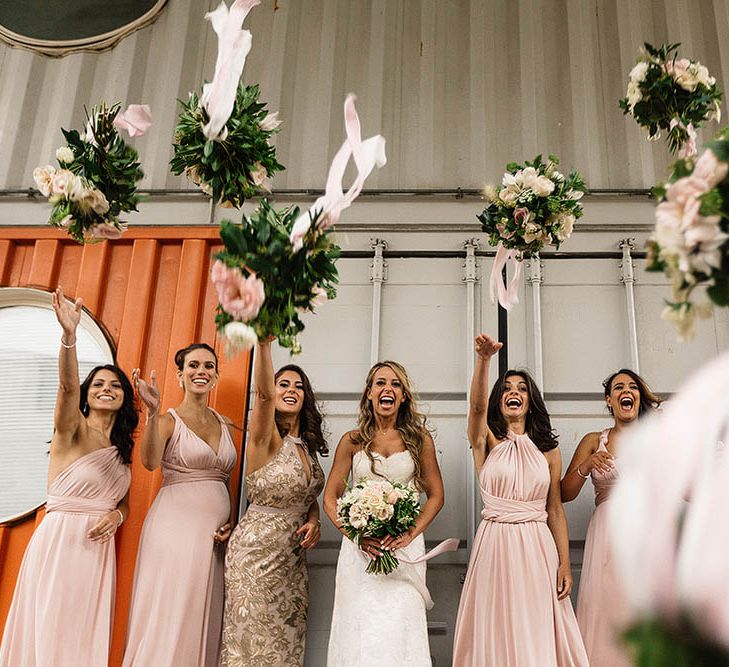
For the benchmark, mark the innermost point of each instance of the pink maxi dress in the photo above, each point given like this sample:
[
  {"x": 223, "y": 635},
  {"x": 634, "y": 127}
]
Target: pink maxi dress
[
  {"x": 602, "y": 608},
  {"x": 175, "y": 617},
  {"x": 509, "y": 614},
  {"x": 62, "y": 610}
]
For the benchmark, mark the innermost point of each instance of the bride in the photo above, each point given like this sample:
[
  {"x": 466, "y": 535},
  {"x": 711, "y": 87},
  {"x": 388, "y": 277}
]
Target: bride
[{"x": 380, "y": 619}]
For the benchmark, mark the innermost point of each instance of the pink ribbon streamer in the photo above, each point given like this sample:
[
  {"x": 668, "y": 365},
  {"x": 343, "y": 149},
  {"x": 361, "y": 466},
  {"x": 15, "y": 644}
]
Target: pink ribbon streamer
[
  {"x": 508, "y": 297},
  {"x": 451, "y": 544},
  {"x": 367, "y": 155},
  {"x": 689, "y": 148},
  {"x": 234, "y": 44},
  {"x": 136, "y": 119}
]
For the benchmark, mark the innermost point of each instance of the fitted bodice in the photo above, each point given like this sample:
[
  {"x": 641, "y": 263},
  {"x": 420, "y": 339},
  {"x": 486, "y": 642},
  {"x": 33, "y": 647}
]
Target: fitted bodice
[
  {"x": 283, "y": 482},
  {"x": 92, "y": 484},
  {"x": 398, "y": 467},
  {"x": 604, "y": 482},
  {"x": 188, "y": 458}
]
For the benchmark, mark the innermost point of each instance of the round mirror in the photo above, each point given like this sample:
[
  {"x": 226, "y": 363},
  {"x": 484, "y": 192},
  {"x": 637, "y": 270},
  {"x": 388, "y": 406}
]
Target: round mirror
[{"x": 29, "y": 343}]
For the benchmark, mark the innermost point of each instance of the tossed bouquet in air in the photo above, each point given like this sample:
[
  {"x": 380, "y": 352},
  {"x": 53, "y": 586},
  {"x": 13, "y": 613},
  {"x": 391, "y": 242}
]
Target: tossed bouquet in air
[
  {"x": 672, "y": 94},
  {"x": 378, "y": 508},
  {"x": 537, "y": 205}
]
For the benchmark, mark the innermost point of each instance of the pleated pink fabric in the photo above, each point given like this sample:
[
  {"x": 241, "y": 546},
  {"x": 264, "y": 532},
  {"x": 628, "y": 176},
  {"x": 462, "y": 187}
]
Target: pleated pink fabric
[
  {"x": 175, "y": 618},
  {"x": 602, "y": 607},
  {"x": 509, "y": 614},
  {"x": 62, "y": 610}
]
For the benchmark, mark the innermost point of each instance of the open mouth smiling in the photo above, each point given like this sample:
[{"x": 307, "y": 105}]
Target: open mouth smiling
[
  {"x": 290, "y": 400},
  {"x": 627, "y": 402},
  {"x": 513, "y": 402},
  {"x": 387, "y": 401}
]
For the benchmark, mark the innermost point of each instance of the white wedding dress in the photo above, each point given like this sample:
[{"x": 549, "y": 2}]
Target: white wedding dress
[{"x": 379, "y": 620}]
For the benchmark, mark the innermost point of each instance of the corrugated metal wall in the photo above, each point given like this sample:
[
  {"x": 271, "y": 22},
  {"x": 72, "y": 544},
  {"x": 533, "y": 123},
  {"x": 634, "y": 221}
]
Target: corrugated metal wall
[
  {"x": 151, "y": 292},
  {"x": 458, "y": 87}
]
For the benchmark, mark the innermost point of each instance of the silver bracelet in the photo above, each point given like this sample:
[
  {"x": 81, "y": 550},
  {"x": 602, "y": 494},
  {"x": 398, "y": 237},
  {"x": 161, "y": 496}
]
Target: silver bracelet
[
  {"x": 579, "y": 472},
  {"x": 121, "y": 516},
  {"x": 68, "y": 347}
]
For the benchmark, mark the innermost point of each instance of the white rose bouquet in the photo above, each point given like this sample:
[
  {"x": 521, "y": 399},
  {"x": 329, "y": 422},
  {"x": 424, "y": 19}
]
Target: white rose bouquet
[
  {"x": 97, "y": 175},
  {"x": 672, "y": 94},
  {"x": 691, "y": 239},
  {"x": 378, "y": 508},
  {"x": 536, "y": 206}
]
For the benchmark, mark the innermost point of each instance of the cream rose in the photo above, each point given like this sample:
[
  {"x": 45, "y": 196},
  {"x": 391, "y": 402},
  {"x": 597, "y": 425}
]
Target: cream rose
[
  {"x": 43, "y": 177},
  {"x": 64, "y": 155}
]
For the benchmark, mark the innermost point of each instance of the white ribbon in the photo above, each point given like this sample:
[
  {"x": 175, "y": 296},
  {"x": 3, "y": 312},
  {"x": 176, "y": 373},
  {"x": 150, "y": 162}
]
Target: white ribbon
[
  {"x": 234, "y": 43},
  {"x": 367, "y": 154},
  {"x": 508, "y": 297},
  {"x": 688, "y": 149}
]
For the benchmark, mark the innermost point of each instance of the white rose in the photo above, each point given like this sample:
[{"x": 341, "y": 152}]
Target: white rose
[
  {"x": 64, "y": 155},
  {"x": 508, "y": 196},
  {"x": 78, "y": 192},
  {"x": 543, "y": 186},
  {"x": 634, "y": 95},
  {"x": 239, "y": 337},
  {"x": 43, "y": 177},
  {"x": 533, "y": 232},
  {"x": 62, "y": 182},
  {"x": 566, "y": 223},
  {"x": 637, "y": 74}
]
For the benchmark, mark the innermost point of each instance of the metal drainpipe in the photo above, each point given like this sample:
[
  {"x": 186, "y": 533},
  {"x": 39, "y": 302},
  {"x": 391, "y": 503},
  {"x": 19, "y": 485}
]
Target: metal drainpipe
[
  {"x": 470, "y": 277},
  {"x": 535, "y": 278},
  {"x": 378, "y": 275},
  {"x": 627, "y": 277}
]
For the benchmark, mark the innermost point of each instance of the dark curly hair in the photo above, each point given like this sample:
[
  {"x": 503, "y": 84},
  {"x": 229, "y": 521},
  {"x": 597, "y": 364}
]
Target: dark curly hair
[
  {"x": 538, "y": 423},
  {"x": 181, "y": 354},
  {"x": 122, "y": 433},
  {"x": 310, "y": 417},
  {"x": 649, "y": 402}
]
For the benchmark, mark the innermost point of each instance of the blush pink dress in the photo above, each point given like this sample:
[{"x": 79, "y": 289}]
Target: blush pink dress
[
  {"x": 509, "y": 614},
  {"x": 602, "y": 607},
  {"x": 176, "y": 610},
  {"x": 62, "y": 610}
]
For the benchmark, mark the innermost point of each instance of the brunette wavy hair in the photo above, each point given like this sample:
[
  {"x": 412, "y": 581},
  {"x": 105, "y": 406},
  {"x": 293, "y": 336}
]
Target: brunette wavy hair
[
  {"x": 649, "y": 402},
  {"x": 538, "y": 423},
  {"x": 411, "y": 424},
  {"x": 181, "y": 354},
  {"x": 311, "y": 422},
  {"x": 122, "y": 432}
]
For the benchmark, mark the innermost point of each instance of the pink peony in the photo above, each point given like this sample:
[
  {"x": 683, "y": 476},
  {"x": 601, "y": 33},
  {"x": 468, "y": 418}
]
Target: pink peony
[
  {"x": 105, "y": 230},
  {"x": 239, "y": 296},
  {"x": 136, "y": 120},
  {"x": 710, "y": 169}
]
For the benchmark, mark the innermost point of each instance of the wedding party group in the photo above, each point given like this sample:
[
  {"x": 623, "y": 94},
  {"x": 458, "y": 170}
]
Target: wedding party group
[{"x": 209, "y": 590}]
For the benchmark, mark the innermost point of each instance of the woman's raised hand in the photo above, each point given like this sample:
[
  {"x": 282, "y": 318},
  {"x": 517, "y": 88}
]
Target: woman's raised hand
[
  {"x": 148, "y": 393},
  {"x": 68, "y": 315},
  {"x": 486, "y": 347}
]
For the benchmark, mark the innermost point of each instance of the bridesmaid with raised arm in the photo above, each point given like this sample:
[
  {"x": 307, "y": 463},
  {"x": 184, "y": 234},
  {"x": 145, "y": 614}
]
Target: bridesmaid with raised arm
[
  {"x": 62, "y": 610},
  {"x": 266, "y": 576},
  {"x": 177, "y": 598},
  {"x": 602, "y": 608},
  {"x": 514, "y": 609}
]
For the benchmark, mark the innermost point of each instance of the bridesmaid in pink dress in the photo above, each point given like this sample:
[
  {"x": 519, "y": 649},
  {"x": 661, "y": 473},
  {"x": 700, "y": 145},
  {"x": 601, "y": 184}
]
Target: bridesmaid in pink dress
[
  {"x": 515, "y": 609},
  {"x": 602, "y": 608},
  {"x": 177, "y": 598},
  {"x": 62, "y": 610}
]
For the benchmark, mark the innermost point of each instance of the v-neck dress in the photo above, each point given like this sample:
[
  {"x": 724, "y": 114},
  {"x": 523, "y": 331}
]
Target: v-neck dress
[
  {"x": 266, "y": 576},
  {"x": 177, "y": 599}
]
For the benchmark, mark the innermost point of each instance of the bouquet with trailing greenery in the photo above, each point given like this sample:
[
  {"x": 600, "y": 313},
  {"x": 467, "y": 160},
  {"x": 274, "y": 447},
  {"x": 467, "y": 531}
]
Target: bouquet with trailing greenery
[
  {"x": 672, "y": 94},
  {"x": 378, "y": 508},
  {"x": 536, "y": 206},
  {"x": 691, "y": 239},
  {"x": 235, "y": 166},
  {"x": 97, "y": 175},
  {"x": 264, "y": 285}
]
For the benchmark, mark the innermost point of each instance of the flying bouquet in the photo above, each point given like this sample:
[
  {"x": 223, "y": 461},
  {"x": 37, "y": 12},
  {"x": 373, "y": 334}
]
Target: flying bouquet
[
  {"x": 536, "y": 206},
  {"x": 691, "y": 239},
  {"x": 277, "y": 265},
  {"x": 222, "y": 137},
  {"x": 378, "y": 508},
  {"x": 97, "y": 177},
  {"x": 673, "y": 95}
]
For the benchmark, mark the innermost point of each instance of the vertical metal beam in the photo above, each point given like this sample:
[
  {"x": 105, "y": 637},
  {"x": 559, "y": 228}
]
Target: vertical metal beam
[
  {"x": 378, "y": 275},
  {"x": 535, "y": 278},
  {"x": 470, "y": 278},
  {"x": 211, "y": 212},
  {"x": 627, "y": 277}
]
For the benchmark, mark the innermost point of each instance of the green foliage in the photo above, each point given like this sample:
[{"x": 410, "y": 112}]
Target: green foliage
[
  {"x": 260, "y": 244},
  {"x": 663, "y": 100},
  {"x": 224, "y": 169}
]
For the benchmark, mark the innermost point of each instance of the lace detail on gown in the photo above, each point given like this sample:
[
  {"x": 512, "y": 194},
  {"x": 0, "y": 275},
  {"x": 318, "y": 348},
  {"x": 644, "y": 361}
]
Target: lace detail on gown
[{"x": 380, "y": 619}]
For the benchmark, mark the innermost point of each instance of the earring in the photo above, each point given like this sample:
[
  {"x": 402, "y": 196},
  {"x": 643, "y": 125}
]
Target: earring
[{"x": 181, "y": 383}]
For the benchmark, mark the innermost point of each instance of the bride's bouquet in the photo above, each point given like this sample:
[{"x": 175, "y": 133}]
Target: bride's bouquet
[{"x": 378, "y": 508}]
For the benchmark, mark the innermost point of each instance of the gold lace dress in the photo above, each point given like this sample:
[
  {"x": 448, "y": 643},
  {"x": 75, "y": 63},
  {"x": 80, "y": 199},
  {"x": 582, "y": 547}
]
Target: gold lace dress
[{"x": 266, "y": 577}]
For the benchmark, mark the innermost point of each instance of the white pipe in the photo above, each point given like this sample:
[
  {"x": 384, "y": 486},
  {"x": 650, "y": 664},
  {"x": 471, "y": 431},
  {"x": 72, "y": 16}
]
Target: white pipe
[
  {"x": 378, "y": 275},
  {"x": 535, "y": 279},
  {"x": 628, "y": 279}
]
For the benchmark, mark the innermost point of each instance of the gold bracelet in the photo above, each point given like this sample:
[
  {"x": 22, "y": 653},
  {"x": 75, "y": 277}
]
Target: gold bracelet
[{"x": 121, "y": 516}]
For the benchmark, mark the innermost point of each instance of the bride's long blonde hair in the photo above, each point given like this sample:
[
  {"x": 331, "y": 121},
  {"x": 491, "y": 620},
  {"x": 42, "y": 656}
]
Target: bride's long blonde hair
[{"x": 411, "y": 423}]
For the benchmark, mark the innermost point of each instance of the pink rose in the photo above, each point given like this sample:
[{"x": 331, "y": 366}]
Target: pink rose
[
  {"x": 710, "y": 169},
  {"x": 239, "y": 296},
  {"x": 105, "y": 230},
  {"x": 521, "y": 216},
  {"x": 62, "y": 183},
  {"x": 136, "y": 120}
]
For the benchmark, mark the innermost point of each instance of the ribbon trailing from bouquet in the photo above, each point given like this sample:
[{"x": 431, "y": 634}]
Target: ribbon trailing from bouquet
[
  {"x": 451, "y": 544},
  {"x": 507, "y": 296},
  {"x": 367, "y": 155},
  {"x": 688, "y": 149},
  {"x": 234, "y": 44}
]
